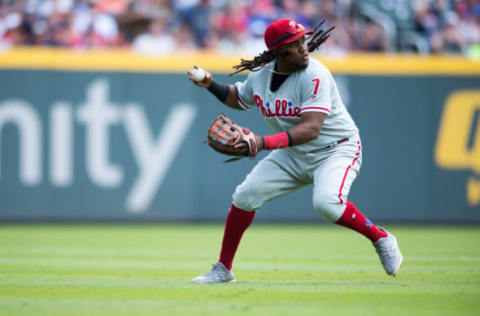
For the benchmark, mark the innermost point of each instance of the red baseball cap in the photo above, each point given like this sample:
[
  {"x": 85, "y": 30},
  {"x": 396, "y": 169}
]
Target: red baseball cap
[{"x": 283, "y": 31}]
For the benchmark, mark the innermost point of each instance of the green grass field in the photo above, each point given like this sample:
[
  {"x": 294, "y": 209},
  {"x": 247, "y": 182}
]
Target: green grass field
[{"x": 280, "y": 270}]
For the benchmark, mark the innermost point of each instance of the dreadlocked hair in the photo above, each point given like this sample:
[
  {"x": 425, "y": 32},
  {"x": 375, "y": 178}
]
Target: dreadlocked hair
[
  {"x": 256, "y": 63},
  {"x": 317, "y": 38}
]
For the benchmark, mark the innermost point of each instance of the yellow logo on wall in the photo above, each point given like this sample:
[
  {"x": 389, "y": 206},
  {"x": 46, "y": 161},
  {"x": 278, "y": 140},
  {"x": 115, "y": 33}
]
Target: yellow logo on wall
[{"x": 458, "y": 142}]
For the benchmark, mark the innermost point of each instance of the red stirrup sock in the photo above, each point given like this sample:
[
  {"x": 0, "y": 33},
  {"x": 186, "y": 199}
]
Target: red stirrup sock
[
  {"x": 237, "y": 223},
  {"x": 354, "y": 219}
]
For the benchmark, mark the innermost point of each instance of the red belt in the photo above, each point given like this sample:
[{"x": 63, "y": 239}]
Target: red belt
[{"x": 337, "y": 142}]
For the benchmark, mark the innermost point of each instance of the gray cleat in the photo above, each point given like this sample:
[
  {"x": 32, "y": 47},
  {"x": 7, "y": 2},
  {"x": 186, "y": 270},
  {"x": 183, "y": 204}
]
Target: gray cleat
[
  {"x": 218, "y": 274},
  {"x": 389, "y": 253}
]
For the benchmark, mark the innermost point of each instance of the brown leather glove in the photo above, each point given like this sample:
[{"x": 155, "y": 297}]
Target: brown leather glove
[{"x": 230, "y": 139}]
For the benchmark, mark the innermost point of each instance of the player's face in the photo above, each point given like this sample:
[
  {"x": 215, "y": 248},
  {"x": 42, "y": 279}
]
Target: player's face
[{"x": 293, "y": 56}]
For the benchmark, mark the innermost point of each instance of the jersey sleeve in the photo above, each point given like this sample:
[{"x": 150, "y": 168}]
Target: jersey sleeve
[
  {"x": 245, "y": 93},
  {"x": 316, "y": 93}
]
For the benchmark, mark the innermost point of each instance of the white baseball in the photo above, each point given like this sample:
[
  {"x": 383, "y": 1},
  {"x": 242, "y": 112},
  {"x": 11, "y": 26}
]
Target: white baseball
[{"x": 198, "y": 74}]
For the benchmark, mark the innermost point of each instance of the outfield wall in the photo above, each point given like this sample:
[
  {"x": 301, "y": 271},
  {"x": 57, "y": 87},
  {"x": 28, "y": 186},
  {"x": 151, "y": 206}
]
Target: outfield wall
[{"x": 114, "y": 136}]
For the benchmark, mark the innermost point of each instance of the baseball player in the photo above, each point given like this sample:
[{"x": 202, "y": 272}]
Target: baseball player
[{"x": 315, "y": 141}]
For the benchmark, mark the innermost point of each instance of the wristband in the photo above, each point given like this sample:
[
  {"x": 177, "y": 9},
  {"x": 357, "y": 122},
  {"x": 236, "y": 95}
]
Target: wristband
[
  {"x": 219, "y": 90},
  {"x": 276, "y": 141}
]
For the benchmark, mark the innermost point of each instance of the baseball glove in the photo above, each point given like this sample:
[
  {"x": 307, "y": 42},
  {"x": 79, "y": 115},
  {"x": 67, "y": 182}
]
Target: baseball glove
[{"x": 224, "y": 135}]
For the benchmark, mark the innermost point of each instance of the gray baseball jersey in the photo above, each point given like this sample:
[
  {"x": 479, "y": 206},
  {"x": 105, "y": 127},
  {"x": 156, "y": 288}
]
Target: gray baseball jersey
[{"x": 310, "y": 90}]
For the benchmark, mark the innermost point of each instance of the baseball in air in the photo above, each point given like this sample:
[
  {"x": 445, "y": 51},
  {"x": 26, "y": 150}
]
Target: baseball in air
[{"x": 198, "y": 74}]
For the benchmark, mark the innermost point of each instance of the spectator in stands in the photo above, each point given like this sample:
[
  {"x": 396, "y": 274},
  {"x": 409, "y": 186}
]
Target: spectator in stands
[
  {"x": 453, "y": 41},
  {"x": 198, "y": 18},
  {"x": 12, "y": 29},
  {"x": 468, "y": 13},
  {"x": 184, "y": 39},
  {"x": 292, "y": 9},
  {"x": 230, "y": 27},
  {"x": 427, "y": 20},
  {"x": 157, "y": 41},
  {"x": 372, "y": 39}
]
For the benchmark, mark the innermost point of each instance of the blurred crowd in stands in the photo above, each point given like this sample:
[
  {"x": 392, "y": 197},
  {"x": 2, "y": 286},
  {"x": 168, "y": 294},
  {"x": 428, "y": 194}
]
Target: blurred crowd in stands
[{"x": 157, "y": 27}]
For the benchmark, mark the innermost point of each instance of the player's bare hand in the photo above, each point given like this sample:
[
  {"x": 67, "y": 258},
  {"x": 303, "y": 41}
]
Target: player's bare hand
[
  {"x": 205, "y": 82},
  {"x": 243, "y": 148}
]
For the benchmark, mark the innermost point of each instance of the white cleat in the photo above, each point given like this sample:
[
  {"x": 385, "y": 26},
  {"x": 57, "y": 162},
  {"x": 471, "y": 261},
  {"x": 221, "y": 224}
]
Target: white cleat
[
  {"x": 389, "y": 253},
  {"x": 218, "y": 274}
]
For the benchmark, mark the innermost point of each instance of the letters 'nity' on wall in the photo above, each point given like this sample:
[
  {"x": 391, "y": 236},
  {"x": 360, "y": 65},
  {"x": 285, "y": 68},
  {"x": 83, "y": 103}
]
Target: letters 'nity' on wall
[{"x": 115, "y": 136}]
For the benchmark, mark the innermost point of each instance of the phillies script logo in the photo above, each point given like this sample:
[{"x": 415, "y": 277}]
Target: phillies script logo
[{"x": 281, "y": 108}]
